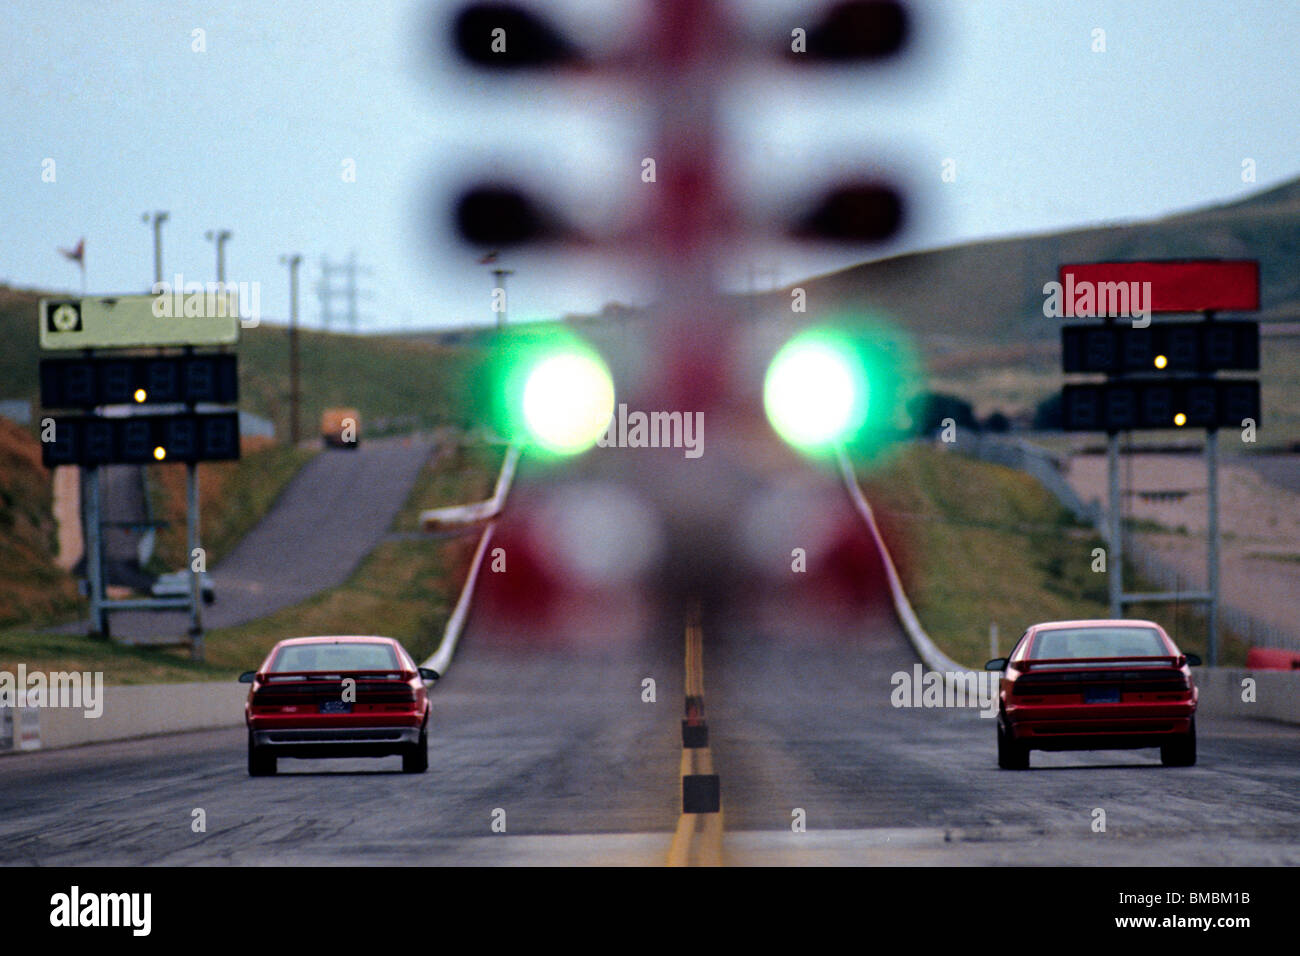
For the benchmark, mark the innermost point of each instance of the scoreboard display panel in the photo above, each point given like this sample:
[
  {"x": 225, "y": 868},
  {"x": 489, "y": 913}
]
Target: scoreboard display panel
[
  {"x": 1165, "y": 347},
  {"x": 178, "y": 379},
  {"x": 142, "y": 439},
  {"x": 1129, "y": 405}
]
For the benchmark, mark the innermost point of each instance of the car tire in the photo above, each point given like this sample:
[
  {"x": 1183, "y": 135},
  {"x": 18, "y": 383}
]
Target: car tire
[
  {"x": 1181, "y": 752},
  {"x": 260, "y": 763},
  {"x": 416, "y": 760},
  {"x": 1011, "y": 755}
]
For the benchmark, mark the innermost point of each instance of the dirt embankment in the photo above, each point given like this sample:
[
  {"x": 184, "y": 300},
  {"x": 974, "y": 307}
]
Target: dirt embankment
[{"x": 33, "y": 587}]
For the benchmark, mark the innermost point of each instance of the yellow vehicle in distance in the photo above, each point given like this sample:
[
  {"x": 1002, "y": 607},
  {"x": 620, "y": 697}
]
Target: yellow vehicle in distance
[{"x": 341, "y": 428}]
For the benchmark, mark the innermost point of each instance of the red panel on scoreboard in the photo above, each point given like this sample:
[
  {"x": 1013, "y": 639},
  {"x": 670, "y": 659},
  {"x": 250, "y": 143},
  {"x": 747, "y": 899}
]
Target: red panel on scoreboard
[{"x": 1192, "y": 285}]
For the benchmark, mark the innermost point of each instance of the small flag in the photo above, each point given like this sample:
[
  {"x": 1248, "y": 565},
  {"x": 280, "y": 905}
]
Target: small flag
[
  {"x": 488, "y": 259},
  {"x": 77, "y": 255}
]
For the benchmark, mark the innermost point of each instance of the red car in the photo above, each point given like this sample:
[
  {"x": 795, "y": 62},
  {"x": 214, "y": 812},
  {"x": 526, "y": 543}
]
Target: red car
[
  {"x": 337, "y": 697},
  {"x": 1096, "y": 685}
]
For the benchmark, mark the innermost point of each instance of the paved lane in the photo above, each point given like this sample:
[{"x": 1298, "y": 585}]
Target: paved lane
[
  {"x": 812, "y": 727},
  {"x": 329, "y": 517},
  {"x": 585, "y": 771}
]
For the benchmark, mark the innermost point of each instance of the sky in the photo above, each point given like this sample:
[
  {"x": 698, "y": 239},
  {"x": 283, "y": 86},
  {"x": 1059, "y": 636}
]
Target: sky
[{"x": 256, "y": 131}]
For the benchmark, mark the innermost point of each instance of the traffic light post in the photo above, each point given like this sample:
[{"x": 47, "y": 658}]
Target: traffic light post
[
  {"x": 1161, "y": 376},
  {"x": 100, "y": 376}
]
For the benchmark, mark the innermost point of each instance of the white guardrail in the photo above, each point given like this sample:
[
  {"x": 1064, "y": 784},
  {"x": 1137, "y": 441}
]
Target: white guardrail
[
  {"x": 933, "y": 658},
  {"x": 460, "y": 516}
]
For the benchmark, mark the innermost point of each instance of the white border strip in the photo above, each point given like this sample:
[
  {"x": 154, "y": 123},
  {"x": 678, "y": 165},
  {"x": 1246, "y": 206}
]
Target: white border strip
[
  {"x": 440, "y": 660},
  {"x": 933, "y": 658},
  {"x": 459, "y": 516}
]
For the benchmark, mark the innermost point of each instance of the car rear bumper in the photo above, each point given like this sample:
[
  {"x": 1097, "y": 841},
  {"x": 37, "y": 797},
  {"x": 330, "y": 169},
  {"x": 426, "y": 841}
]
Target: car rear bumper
[
  {"x": 1098, "y": 726},
  {"x": 337, "y": 741}
]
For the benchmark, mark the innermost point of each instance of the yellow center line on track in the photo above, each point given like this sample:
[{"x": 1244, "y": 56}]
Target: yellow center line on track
[{"x": 698, "y": 838}]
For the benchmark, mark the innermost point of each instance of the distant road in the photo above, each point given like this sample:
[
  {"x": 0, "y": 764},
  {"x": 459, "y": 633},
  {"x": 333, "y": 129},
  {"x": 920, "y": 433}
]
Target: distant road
[{"x": 330, "y": 516}]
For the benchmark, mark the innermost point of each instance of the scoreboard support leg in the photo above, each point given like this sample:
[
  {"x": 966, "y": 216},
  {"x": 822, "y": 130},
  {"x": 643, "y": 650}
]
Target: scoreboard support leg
[
  {"x": 196, "y": 590},
  {"x": 1212, "y": 546},
  {"x": 1115, "y": 513},
  {"x": 95, "y": 554}
]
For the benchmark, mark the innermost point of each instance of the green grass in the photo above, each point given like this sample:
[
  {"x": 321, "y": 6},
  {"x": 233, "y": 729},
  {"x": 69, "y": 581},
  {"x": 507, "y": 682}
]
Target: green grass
[
  {"x": 984, "y": 543},
  {"x": 466, "y": 473},
  {"x": 119, "y": 663},
  {"x": 404, "y": 589}
]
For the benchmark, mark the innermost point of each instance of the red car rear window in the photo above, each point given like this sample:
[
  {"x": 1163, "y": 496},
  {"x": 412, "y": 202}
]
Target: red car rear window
[
  {"x": 335, "y": 657},
  {"x": 1068, "y": 642}
]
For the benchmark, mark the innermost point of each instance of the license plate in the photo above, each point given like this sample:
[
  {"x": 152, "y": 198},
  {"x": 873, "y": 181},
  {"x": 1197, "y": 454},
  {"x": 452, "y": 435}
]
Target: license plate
[
  {"x": 1101, "y": 695},
  {"x": 335, "y": 707}
]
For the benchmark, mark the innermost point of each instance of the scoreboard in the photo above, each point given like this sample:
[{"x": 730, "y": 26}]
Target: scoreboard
[{"x": 1164, "y": 374}]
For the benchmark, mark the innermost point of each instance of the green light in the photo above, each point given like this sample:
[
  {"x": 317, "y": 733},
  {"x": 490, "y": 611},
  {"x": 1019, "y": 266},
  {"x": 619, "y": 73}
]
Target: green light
[
  {"x": 546, "y": 388},
  {"x": 844, "y": 384},
  {"x": 816, "y": 391},
  {"x": 568, "y": 400}
]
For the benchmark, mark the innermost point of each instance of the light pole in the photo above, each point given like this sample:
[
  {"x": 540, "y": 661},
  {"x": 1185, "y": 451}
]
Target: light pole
[
  {"x": 293, "y": 261},
  {"x": 158, "y": 219},
  {"x": 220, "y": 237},
  {"x": 500, "y": 276}
]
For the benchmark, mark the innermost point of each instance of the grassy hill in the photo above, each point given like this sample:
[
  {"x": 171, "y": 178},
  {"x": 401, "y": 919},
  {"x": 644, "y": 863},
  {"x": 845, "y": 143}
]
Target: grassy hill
[{"x": 989, "y": 294}]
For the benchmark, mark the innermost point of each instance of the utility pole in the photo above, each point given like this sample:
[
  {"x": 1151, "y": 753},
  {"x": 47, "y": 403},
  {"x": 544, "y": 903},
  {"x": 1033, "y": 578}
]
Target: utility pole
[
  {"x": 220, "y": 237},
  {"x": 325, "y": 293},
  {"x": 500, "y": 276},
  {"x": 158, "y": 219},
  {"x": 293, "y": 261}
]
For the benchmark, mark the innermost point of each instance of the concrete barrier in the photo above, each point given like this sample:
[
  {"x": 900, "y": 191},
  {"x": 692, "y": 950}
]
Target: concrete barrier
[
  {"x": 1276, "y": 693},
  {"x": 142, "y": 711}
]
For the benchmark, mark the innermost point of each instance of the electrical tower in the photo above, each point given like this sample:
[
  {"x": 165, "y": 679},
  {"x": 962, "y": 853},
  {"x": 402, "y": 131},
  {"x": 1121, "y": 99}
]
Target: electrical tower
[{"x": 338, "y": 280}]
